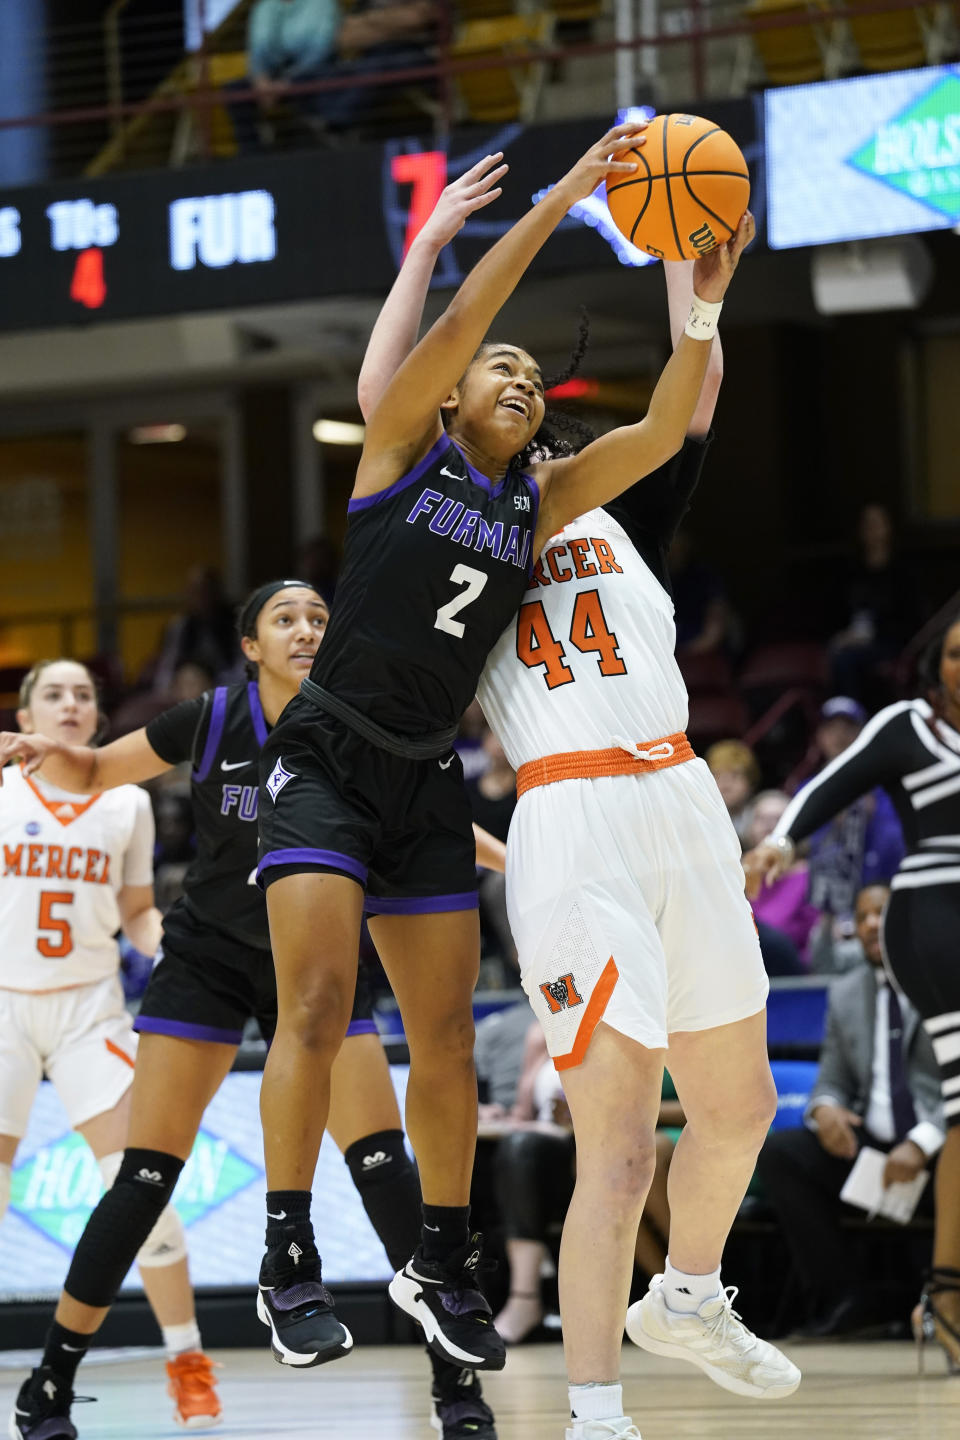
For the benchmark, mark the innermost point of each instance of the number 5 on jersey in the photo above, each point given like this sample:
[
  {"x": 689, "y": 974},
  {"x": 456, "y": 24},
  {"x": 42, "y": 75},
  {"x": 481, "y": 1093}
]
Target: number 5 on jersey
[{"x": 59, "y": 947}]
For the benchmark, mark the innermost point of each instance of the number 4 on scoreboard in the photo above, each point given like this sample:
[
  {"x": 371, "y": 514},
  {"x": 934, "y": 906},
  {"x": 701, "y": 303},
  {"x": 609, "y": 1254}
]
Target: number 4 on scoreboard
[{"x": 589, "y": 633}]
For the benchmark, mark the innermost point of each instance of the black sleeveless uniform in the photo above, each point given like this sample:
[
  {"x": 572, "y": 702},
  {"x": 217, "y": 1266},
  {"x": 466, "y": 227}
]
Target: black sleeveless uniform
[
  {"x": 217, "y": 969},
  {"x": 359, "y": 775},
  {"x": 917, "y": 761}
]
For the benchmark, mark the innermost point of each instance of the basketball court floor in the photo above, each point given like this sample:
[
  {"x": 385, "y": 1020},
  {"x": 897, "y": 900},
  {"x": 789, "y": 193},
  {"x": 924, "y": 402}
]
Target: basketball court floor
[{"x": 849, "y": 1392}]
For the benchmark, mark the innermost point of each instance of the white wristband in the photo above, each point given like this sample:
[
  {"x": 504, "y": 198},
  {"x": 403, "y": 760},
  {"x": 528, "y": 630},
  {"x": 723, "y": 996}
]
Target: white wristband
[{"x": 703, "y": 319}]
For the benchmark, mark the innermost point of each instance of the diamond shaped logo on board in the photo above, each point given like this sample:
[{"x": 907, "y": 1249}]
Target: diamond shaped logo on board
[{"x": 918, "y": 151}]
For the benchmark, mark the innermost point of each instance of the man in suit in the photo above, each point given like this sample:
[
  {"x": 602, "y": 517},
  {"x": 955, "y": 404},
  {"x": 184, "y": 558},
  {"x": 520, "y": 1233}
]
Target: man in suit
[{"x": 878, "y": 1085}]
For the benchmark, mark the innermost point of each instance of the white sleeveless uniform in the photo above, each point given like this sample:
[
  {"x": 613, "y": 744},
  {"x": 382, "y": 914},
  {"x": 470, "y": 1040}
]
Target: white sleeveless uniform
[
  {"x": 63, "y": 859},
  {"x": 625, "y": 893}
]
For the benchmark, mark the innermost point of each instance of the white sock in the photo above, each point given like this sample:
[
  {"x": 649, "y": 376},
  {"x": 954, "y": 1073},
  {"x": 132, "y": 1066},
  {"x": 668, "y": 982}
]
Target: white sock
[
  {"x": 686, "y": 1293},
  {"x": 178, "y": 1339},
  {"x": 601, "y": 1400}
]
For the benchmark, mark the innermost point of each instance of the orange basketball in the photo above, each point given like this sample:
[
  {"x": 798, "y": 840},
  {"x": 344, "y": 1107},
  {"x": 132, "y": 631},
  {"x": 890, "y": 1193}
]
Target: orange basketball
[{"x": 690, "y": 189}]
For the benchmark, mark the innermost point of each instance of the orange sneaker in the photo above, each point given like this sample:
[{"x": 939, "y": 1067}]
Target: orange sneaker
[{"x": 193, "y": 1387}]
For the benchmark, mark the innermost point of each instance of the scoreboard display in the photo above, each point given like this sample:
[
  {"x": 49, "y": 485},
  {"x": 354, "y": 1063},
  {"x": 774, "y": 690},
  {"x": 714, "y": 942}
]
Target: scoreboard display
[
  {"x": 254, "y": 232},
  {"x": 278, "y": 228}
]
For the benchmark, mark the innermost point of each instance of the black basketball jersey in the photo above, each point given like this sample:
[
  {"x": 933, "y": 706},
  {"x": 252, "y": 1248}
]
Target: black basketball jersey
[
  {"x": 918, "y": 764},
  {"x": 221, "y": 734},
  {"x": 434, "y": 569}
]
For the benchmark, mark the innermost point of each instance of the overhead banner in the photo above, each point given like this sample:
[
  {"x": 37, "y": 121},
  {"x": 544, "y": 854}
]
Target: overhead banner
[
  {"x": 858, "y": 159},
  {"x": 280, "y": 228}
]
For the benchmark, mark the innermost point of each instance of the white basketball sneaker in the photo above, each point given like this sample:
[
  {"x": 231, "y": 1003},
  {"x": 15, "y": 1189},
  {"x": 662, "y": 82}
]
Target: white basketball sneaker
[
  {"x": 620, "y": 1428},
  {"x": 714, "y": 1338}
]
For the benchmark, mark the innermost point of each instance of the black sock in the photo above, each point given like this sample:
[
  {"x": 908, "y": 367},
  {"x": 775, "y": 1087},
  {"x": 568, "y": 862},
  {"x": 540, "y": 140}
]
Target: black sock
[
  {"x": 388, "y": 1185},
  {"x": 63, "y": 1351},
  {"x": 445, "y": 1229},
  {"x": 291, "y": 1251}
]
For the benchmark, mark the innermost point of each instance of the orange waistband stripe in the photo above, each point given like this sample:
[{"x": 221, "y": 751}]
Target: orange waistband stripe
[{"x": 593, "y": 764}]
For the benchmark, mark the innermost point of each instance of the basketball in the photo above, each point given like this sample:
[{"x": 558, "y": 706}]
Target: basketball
[{"x": 690, "y": 189}]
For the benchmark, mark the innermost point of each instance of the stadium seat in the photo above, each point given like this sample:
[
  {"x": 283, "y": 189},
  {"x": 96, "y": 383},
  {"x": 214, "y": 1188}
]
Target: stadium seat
[
  {"x": 495, "y": 95},
  {"x": 796, "y": 54},
  {"x": 893, "y": 39}
]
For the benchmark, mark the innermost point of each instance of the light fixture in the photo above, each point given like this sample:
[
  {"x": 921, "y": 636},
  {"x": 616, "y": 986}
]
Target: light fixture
[
  {"x": 338, "y": 432},
  {"x": 156, "y": 434}
]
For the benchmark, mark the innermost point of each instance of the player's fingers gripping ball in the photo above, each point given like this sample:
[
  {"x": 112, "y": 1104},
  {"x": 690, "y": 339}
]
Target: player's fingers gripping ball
[{"x": 690, "y": 188}]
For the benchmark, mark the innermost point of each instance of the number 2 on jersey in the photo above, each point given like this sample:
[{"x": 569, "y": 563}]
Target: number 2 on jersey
[
  {"x": 589, "y": 631},
  {"x": 59, "y": 948},
  {"x": 474, "y": 580}
]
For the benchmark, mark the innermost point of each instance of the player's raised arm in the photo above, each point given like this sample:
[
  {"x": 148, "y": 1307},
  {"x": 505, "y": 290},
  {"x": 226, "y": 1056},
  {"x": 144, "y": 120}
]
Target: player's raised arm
[
  {"x": 405, "y": 422},
  {"x": 606, "y": 467},
  {"x": 78, "y": 767},
  {"x": 678, "y": 275},
  {"x": 398, "y": 325}
]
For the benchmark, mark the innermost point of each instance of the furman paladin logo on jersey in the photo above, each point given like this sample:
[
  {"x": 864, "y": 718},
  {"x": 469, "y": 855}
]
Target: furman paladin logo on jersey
[
  {"x": 561, "y": 994},
  {"x": 278, "y": 778}
]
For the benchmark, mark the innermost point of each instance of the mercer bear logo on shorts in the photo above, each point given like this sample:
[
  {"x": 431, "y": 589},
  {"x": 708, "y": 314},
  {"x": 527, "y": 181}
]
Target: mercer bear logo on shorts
[{"x": 561, "y": 994}]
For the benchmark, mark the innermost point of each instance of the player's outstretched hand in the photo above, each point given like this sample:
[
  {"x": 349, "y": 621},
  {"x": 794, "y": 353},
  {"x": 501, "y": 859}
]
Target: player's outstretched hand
[
  {"x": 712, "y": 273},
  {"x": 762, "y": 866},
  {"x": 32, "y": 750},
  {"x": 474, "y": 189},
  {"x": 599, "y": 161}
]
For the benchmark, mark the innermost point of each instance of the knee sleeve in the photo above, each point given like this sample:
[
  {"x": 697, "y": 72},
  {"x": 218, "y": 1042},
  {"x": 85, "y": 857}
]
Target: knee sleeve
[
  {"x": 121, "y": 1223},
  {"x": 388, "y": 1185},
  {"x": 167, "y": 1242},
  {"x": 6, "y": 1178}
]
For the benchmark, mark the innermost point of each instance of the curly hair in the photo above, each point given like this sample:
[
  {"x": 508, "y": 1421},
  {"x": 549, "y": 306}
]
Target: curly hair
[{"x": 560, "y": 432}]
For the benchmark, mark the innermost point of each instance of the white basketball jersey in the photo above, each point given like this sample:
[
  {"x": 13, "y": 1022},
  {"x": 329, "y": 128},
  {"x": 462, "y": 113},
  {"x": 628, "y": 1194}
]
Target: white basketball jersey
[
  {"x": 63, "y": 859},
  {"x": 589, "y": 662}
]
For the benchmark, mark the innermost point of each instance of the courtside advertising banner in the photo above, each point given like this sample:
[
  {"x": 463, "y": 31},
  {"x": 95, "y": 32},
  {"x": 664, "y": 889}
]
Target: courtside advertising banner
[{"x": 220, "y": 1199}]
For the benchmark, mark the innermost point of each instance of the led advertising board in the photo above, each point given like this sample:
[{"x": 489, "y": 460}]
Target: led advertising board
[
  {"x": 219, "y": 1197},
  {"x": 856, "y": 159}
]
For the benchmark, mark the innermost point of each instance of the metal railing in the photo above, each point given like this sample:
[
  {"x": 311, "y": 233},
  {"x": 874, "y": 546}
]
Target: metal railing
[{"x": 112, "y": 78}]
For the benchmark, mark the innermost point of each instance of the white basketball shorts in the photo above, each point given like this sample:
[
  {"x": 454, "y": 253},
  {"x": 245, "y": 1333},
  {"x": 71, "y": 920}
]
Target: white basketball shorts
[
  {"x": 626, "y": 900},
  {"x": 81, "y": 1039}
]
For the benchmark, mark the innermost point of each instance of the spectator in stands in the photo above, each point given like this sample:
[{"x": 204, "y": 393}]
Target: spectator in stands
[
  {"x": 783, "y": 905},
  {"x": 204, "y": 633},
  {"x": 701, "y": 609},
  {"x": 735, "y": 769},
  {"x": 175, "y": 845},
  {"x": 878, "y": 1085},
  {"x": 534, "y": 1182},
  {"x": 287, "y": 41},
  {"x": 882, "y": 609},
  {"x": 294, "y": 41},
  {"x": 862, "y": 846},
  {"x": 493, "y": 795}
]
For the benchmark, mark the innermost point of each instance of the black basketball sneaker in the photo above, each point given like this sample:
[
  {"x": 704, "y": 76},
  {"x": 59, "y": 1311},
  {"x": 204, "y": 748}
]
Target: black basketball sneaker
[
  {"x": 298, "y": 1308},
  {"x": 445, "y": 1300},
  {"x": 42, "y": 1409},
  {"x": 459, "y": 1409}
]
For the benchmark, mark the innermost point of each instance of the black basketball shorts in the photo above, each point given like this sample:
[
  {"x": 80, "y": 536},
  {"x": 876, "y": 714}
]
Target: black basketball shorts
[
  {"x": 331, "y": 800},
  {"x": 207, "y": 986}
]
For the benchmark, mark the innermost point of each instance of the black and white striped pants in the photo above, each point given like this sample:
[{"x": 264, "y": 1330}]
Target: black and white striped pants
[{"x": 921, "y": 938}]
